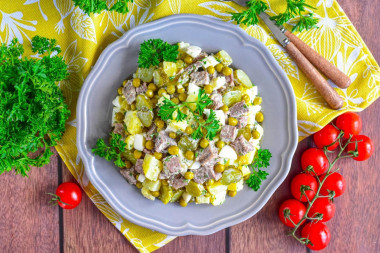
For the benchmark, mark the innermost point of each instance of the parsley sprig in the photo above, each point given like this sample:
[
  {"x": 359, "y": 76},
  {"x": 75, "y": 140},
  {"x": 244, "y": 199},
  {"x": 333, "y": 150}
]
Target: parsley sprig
[
  {"x": 113, "y": 151},
  {"x": 97, "y": 6},
  {"x": 153, "y": 51},
  {"x": 172, "y": 111},
  {"x": 294, "y": 8},
  {"x": 260, "y": 161},
  {"x": 32, "y": 108}
]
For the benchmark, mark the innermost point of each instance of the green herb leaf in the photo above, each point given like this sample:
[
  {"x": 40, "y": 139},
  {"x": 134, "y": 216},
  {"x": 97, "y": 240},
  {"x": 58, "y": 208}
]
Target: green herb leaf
[
  {"x": 260, "y": 161},
  {"x": 305, "y": 23},
  {"x": 211, "y": 126},
  {"x": 32, "y": 108},
  {"x": 256, "y": 178},
  {"x": 153, "y": 51},
  {"x": 97, "y": 6},
  {"x": 113, "y": 151},
  {"x": 262, "y": 158},
  {"x": 249, "y": 17},
  {"x": 202, "y": 102},
  {"x": 168, "y": 108}
]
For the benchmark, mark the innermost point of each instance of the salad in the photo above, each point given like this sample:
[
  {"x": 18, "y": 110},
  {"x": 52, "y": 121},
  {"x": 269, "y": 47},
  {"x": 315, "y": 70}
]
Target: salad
[{"x": 186, "y": 127}]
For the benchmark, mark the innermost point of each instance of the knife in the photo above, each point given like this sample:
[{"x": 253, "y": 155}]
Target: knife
[{"x": 302, "y": 54}]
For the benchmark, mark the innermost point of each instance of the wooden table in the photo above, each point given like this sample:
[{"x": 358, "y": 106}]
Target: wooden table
[{"x": 29, "y": 224}]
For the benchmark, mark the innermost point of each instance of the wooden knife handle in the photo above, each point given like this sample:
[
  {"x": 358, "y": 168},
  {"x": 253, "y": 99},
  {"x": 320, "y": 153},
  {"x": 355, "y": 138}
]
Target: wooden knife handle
[
  {"x": 328, "y": 93},
  {"x": 338, "y": 77}
]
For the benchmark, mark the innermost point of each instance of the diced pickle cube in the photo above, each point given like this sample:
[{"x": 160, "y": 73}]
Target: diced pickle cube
[
  {"x": 146, "y": 75},
  {"x": 147, "y": 194},
  {"x": 187, "y": 143},
  {"x": 146, "y": 118},
  {"x": 128, "y": 154},
  {"x": 143, "y": 103},
  {"x": 231, "y": 97},
  {"x": 231, "y": 175},
  {"x": 242, "y": 78},
  {"x": 176, "y": 195},
  {"x": 194, "y": 189},
  {"x": 152, "y": 167},
  {"x": 166, "y": 193},
  {"x": 224, "y": 57}
]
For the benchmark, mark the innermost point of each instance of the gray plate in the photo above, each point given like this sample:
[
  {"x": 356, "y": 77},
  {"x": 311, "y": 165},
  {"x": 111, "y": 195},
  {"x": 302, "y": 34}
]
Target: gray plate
[{"x": 119, "y": 60}]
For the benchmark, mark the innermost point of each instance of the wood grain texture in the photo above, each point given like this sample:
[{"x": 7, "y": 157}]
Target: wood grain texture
[{"x": 28, "y": 222}]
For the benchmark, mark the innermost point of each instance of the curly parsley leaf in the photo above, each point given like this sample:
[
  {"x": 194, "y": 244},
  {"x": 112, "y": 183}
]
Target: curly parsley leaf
[
  {"x": 113, "y": 151},
  {"x": 153, "y": 51},
  {"x": 210, "y": 127},
  {"x": 260, "y": 161},
  {"x": 171, "y": 111},
  {"x": 249, "y": 16},
  {"x": 202, "y": 102},
  {"x": 32, "y": 108},
  {"x": 97, "y": 6}
]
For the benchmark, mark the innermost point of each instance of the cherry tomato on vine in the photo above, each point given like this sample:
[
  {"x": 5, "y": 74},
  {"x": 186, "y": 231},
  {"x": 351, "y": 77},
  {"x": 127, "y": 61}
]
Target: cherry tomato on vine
[
  {"x": 68, "y": 195},
  {"x": 334, "y": 182},
  {"x": 327, "y": 136},
  {"x": 303, "y": 181},
  {"x": 318, "y": 234},
  {"x": 364, "y": 147},
  {"x": 350, "y": 123},
  {"x": 323, "y": 206},
  {"x": 294, "y": 209},
  {"x": 316, "y": 158}
]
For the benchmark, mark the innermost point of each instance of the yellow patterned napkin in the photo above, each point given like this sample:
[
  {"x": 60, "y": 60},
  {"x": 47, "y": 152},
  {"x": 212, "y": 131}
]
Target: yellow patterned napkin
[{"x": 82, "y": 39}]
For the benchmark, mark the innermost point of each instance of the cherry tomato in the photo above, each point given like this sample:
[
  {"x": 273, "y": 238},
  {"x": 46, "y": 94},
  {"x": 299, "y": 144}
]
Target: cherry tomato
[
  {"x": 350, "y": 123},
  {"x": 364, "y": 147},
  {"x": 335, "y": 182},
  {"x": 295, "y": 209},
  {"x": 316, "y": 158},
  {"x": 318, "y": 234},
  {"x": 327, "y": 136},
  {"x": 323, "y": 206},
  {"x": 68, "y": 195},
  {"x": 304, "y": 180}
]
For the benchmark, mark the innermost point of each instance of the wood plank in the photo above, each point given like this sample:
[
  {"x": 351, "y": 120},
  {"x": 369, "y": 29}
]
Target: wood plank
[
  {"x": 264, "y": 232},
  {"x": 28, "y": 222},
  {"x": 86, "y": 229}
]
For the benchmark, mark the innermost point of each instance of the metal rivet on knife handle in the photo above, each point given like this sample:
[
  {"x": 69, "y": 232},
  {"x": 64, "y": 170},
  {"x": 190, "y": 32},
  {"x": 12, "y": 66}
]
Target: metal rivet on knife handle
[
  {"x": 338, "y": 77},
  {"x": 327, "y": 92}
]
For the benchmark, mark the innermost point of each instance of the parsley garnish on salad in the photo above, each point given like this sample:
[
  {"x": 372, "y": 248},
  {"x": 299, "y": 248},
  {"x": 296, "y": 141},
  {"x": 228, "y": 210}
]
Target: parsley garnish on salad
[
  {"x": 32, "y": 108},
  {"x": 260, "y": 161},
  {"x": 113, "y": 151},
  {"x": 153, "y": 51}
]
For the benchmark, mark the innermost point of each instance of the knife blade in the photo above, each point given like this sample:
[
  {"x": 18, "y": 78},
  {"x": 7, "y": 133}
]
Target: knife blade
[{"x": 278, "y": 31}]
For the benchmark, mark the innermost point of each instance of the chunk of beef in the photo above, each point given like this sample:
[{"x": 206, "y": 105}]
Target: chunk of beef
[
  {"x": 217, "y": 101},
  {"x": 230, "y": 80},
  {"x": 128, "y": 174},
  {"x": 242, "y": 122},
  {"x": 141, "y": 89},
  {"x": 139, "y": 166},
  {"x": 163, "y": 141},
  {"x": 129, "y": 92},
  {"x": 228, "y": 133},
  {"x": 208, "y": 155},
  {"x": 242, "y": 146},
  {"x": 147, "y": 151},
  {"x": 200, "y": 78},
  {"x": 177, "y": 181},
  {"x": 201, "y": 56},
  {"x": 212, "y": 174},
  {"x": 163, "y": 175},
  {"x": 119, "y": 129},
  {"x": 151, "y": 132},
  {"x": 172, "y": 165},
  {"x": 201, "y": 175},
  {"x": 238, "y": 109},
  {"x": 193, "y": 67}
]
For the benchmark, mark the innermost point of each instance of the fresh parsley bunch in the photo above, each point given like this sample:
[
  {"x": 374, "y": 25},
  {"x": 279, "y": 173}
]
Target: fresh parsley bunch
[
  {"x": 153, "y": 51},
  {"x": 113, "y": 151},
  {"x": 260, "y": 161},
  {"x": 97, "y": 6},
  {"x": 32, "y": 108}
]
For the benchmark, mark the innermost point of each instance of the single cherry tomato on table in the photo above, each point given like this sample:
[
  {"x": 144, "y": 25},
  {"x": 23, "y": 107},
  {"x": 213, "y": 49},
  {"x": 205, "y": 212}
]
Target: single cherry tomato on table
[
  {"x": 350, "y": 123},
  {"x": 294, "y": 209},
  {"x": 316, "y": 158},
  {"x": 68, "y": 195},
  {"x": 323, "y": 206},
  {"x": 305, "y": 181},
  {"x": 327, "y": 136},
  {"x": 334, "y": 182},
  {"x": 318, "y": 234},
  {"x": 364, "y": 147}
]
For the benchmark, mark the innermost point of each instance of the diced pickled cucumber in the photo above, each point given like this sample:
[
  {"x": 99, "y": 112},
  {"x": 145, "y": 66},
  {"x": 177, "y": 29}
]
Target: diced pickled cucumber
[
  {"x": 152, "y": 185},
  {"x": 159, "y": 77},
  {"x": 231, "y": 97},
  {"x": 147, "y": 194},
  {"x": 146, "y": 118},
  {"x": 242, "y": 78},
  {"x": 176, "y": 195},
  {"x": 166, "y": 193},
  {"x": 187, "y": 143},
  {"x": 170, "y": 68},
  {"x": 146, "y": 75},
  {"x": 224, "y": 57},
  {"x": 128, "y": 154},
  {"x": 194, "y": 189},
  {"x": 180, "y": 64},
  {"x": 231, "y": 175},
  {"x": 152, "y": 167},
  {"x": 143, "y": 103},
  {"x": 133, "y": 123}
]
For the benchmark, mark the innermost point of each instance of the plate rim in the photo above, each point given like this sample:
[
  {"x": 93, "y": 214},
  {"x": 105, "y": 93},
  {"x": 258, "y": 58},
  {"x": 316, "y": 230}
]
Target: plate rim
[{"x": 286, "y": 155}]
